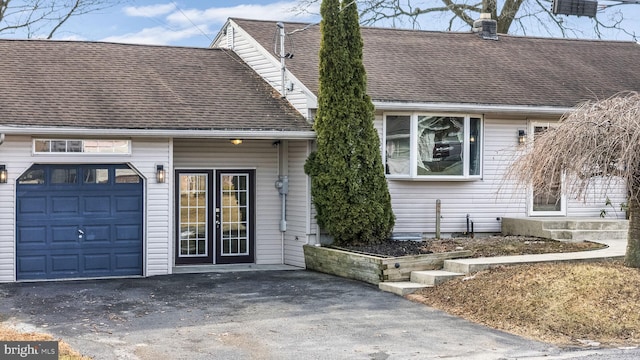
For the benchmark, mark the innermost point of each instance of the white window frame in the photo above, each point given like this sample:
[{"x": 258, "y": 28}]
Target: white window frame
[
  {"x": 83, "y": 150},
  {"x": 413, "y": 172}
]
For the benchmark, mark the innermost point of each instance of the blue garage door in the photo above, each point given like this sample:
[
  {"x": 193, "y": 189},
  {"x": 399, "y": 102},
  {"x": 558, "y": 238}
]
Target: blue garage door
[{"x": 75, "y": 221}]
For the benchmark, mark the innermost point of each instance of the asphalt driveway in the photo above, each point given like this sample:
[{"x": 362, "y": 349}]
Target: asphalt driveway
[{"x": 250, "y": 315}]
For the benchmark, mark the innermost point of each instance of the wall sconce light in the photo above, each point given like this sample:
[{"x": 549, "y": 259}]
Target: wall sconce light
[
  {"x": 3, "y": 174},
  {"x": 472, "y": 139},
  {"x": 522, "y": 137},
  {"x": 161, "y": 174},
  {"x": 236, "y": 141}
]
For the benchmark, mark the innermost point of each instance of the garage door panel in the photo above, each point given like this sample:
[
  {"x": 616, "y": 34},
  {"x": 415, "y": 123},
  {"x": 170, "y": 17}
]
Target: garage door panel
[
  {"x": 128, "y": 232},
  {"x": 32, "y": 265},
  {"x": 64, "y": 205},
  {"x": 65, "y": 264},
  {"x": 33, "y": 235},
  {"x": 64, "y": 235},
  {"x": 33, "y": 205},
  {"x": 78, "y": 229},
  {"x": 97, "y": 234},
  {"x": 128, "y": 204},
  {"x": 128, "y": 262},
  {"x": 97, "y": 262},
  {"x": 97, "y": 205}
]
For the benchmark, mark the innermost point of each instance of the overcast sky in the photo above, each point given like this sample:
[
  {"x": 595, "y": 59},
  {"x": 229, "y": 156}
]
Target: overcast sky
[{"x": 196, "y": 22}]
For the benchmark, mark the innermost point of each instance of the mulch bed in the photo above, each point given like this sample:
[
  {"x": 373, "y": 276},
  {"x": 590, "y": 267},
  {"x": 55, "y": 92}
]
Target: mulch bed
[{"x": 487, "y": 246}]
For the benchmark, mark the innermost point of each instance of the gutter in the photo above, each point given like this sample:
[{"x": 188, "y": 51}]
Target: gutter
[
  {"x": 168, "y": 133},
  {"x": 477, "y": 108}
]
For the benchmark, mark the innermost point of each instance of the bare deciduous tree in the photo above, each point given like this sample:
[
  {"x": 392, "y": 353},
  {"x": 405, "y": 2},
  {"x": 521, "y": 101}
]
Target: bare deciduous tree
[
  {"x": 513, "y": 16},
  {"x": 597, "y": 140},
  {"x": 42, "y": 18}
]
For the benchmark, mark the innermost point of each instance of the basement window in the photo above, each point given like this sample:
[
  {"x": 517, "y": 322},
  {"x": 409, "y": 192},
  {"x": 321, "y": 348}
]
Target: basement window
[
  {"x": 86, "y": 146},
  {"x": 422, "y": 146}
]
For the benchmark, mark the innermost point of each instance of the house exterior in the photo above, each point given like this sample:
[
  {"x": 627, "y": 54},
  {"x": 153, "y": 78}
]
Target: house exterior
[
  {"x": 119, "y": 162},
  {"x": 453, "y": 110},
  {"x": 132, "y": 160}
]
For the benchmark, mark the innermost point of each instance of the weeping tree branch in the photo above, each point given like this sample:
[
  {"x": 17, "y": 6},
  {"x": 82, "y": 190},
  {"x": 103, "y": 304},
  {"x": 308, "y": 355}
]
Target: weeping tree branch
[
  {"x": 598, "y": 139},
  {"x": 596, "y": 145}
]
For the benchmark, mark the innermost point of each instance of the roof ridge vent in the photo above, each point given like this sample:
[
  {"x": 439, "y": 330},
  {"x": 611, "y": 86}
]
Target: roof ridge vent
[{"x": 486, "y": 27}]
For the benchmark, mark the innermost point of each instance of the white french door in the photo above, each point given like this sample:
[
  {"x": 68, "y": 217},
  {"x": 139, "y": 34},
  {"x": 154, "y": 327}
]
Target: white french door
[{"x": 215, "y": 217}]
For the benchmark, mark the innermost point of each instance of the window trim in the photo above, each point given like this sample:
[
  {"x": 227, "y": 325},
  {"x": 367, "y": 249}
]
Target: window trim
[
  {"x": 413, "y": 138},
  {"x": 83, "y": 148}
]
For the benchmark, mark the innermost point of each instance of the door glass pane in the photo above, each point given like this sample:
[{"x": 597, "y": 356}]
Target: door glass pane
[
  {"x": 64, "y": 176},
  {"x": 127, "y": 176},
  {"x": 547, "y": 200},
  {"x": 193, "y": 215},
  {"x": 234, "y": 208},
  {"x": 440, "y": 140},
  {"x": 96, "y": 176},
  {"x": 32, "y": 176},
  {"x": 398, "y": 145}
]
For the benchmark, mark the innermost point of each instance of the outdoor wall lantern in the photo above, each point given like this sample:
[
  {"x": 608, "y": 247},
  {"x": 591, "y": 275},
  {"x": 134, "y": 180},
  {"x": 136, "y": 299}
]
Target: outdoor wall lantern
[
  {"x": 236, "y": 141},
  {"x": 522, "y": 137},
  {"x": 3, "y": 174},
  {"x": 161, "y": 174}
]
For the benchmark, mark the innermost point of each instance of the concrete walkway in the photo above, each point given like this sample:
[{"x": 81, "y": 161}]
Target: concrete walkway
[{"x": 616, "y": 250}]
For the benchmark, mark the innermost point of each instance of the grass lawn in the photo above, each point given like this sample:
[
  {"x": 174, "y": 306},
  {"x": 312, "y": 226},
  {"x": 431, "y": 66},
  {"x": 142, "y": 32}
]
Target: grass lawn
[{"x": 563, "y": 303}]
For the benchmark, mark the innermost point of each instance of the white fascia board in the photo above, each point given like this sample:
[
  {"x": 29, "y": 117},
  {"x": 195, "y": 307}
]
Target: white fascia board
[
  {"x": 220, "y": 34},
  {"x": 471, "y": 108},
  {"x": 192, "y": 134}
]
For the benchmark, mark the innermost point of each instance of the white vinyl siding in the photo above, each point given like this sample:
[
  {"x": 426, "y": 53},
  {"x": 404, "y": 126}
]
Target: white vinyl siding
[
  {"x": 486, "y": 200},
  {"x": 265, "y": 64},
  {"x": 146, "y": 153},
  {"x": 260, "y": 155},
  {"x": 297, "y": 204}
]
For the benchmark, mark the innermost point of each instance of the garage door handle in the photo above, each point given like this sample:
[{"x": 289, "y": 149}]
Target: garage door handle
[{"x": 80, "y": 234}]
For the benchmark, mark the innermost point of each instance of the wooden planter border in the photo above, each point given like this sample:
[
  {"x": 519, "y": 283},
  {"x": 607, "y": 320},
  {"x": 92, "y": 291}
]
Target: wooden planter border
[{"x": 373, "y": 269}]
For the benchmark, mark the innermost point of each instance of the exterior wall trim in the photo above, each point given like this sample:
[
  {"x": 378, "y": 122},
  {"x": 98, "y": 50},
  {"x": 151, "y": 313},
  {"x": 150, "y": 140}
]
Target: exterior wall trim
[
  {"x": 162, "y": 133},
  {"x": 474, "y": 108}
]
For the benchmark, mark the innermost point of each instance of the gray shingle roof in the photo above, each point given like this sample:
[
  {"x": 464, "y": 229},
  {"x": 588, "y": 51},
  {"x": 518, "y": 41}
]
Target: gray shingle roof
[
  {"x": 445, "y": 67},
  {"x": 119, "y": 86}
]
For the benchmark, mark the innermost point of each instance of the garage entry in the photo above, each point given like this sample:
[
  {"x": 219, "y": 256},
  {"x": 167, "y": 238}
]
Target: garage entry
[{"x": 78, "y": 221}]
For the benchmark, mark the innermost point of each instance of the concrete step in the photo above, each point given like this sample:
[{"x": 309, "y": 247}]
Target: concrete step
[
  {"x": 433, "y": 277},
  {"x": 401, "y": 288},
  {"x": 603, "y": 224},
  {"x": 567, "y": 229},
  {"x": 457, "y": 267},
  {"x": 587, "y": 235}
]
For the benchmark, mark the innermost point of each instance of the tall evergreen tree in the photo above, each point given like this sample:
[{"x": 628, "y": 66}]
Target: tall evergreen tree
[{"x": 348, "y": 185}]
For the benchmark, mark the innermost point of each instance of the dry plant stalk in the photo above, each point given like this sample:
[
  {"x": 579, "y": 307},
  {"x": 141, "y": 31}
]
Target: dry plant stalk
[{"x": 596, "y": 140}]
